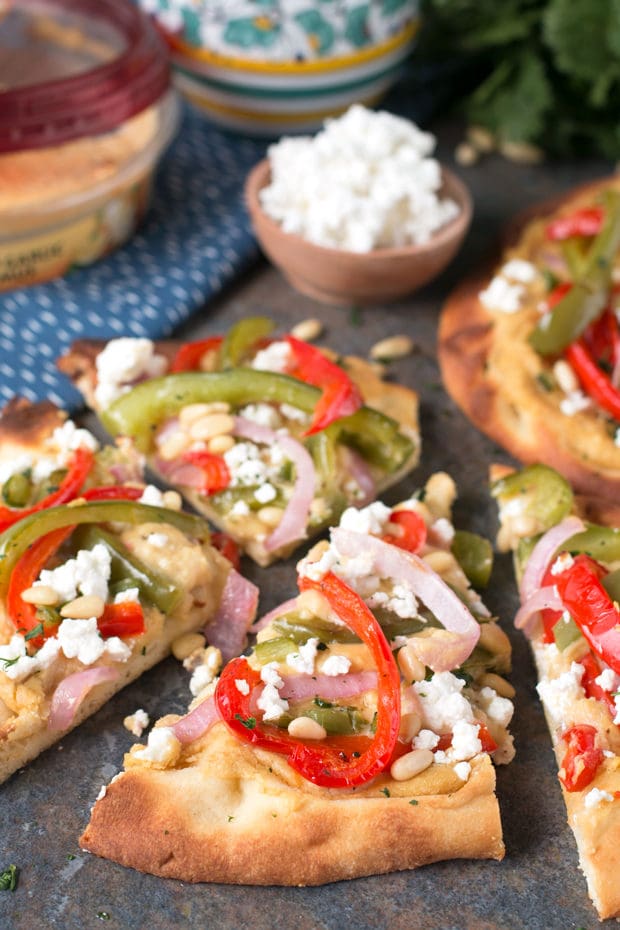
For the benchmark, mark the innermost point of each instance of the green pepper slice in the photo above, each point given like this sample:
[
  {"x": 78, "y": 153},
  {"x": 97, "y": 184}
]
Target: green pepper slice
[
  {"x": 600, "y": 542},
  {"x": 590, "y": 292},
  {"x": 18, "y": 537},
  {"x": 157, "y": 589},
  {"x": 242, "y": 337},
  {"x": 474, "y": 554},
  {"x": 547, "y": 496},
  {"x": 336, "y": 719}
]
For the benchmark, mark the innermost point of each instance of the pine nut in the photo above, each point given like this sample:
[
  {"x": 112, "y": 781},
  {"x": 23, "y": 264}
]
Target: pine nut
[
  {"x": 410, "y": 726},
  {"x": 270, "y": 516},
  {"x": 82, "y": 608},
  {"x": 499, "y": 684},
  {"x": 493, "y": 638},
  {"x": 213, "y": 424},
  {"x": 522, "y": 153},
  {"x": 466, "y": 154},
  {"x": 440, "y": 494},
  {"x": 409, "y": 664},
  {"x": 411, "y": 764},
  {"x": 307, "y": 330},
  {"x": 172, "y": 500},
  {"x": 192, "y": 412},
  {"x": 524, "y": 525},
  {"x": 481, "y": 139},
  {"x": 184, "y": 645},
  {"x": 41, "y": 594},
  {"x": 220, "y": 444},
  {"x": 565, "y": 376},
  {"x": 306, "y": 728},
  {"x": 392, "y": 347},
  {"x": 440, "y": 561},
  {"x": 313, "y": 604},
  {"x": 174, "y": 446}
]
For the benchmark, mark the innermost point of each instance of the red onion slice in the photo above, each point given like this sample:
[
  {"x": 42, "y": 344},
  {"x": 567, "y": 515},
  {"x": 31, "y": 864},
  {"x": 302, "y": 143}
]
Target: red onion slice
[
  {"x": 72, "y": 690},
  {"x": 178, "y": 472},
  {"x": 330, "y": 687},
  {"x": 408, "y": 569},
  {"x": 360, "y": 473},
  {"x": 276, "y": 612},
  {"x": 292, "y": 525},
  {"x": 229, "y": 627},
  {"x": 198, "y": 722},
  {"x": 543, "y": 553},
  {"x": 546, "y": 598}
]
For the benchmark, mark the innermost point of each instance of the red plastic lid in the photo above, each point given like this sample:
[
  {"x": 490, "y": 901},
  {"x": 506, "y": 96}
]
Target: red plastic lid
[{"x": 95, "y": 63}]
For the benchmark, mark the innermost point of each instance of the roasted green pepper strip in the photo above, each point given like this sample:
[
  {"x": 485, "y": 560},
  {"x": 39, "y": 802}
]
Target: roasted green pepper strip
[
  {"x": 600, "y": 542},
  {"x": 242, "y": 337},
  {"x": 475, "y": 556},
  {"x": 590, "y": 292},
  {"x": 547, "y": 496},
  {"x": 157, "y": 589},
  {"x": 139, "y": 412},
  {"x": 335, "y": 719},
  {"x": 18, "y": 537},
  {"x": 611, "y": 583},
  {"x": 300, "y": 631},
  {"x": 565, "y": 632}
]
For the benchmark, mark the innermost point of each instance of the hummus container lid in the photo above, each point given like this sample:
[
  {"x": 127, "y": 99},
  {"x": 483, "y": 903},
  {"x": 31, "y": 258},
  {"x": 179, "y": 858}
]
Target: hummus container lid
[{"x": 74, "y": 68}]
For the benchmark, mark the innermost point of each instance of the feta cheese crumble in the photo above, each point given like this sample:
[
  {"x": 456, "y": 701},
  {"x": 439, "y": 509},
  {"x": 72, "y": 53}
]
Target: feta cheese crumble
[
  {"x": 303, "y": 660},
  {"x": 595, "y": 796},
  {"x": 88, "y": 573},
  {"x": 336, "y": 665},
  {"x": 137, "y": 722},
  {"x": 559, "y": 694},
  {"x": 365, "y": 181},
  {"x": 270, "y": 702},
  {"x": 123, "y": 362},
  {"x": 162, "y": 747}
]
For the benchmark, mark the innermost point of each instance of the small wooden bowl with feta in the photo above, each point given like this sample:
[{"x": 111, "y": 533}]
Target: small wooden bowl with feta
[{"x": 358, "y": 213}]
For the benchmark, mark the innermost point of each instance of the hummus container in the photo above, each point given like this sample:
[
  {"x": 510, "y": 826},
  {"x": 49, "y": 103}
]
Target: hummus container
[
  {"x": 284, "y": 66},
  {"x": 85, "y": 112}
]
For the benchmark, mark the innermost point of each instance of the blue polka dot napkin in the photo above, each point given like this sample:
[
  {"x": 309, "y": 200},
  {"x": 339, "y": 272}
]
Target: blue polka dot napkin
[{"x": 195, "y": 240}]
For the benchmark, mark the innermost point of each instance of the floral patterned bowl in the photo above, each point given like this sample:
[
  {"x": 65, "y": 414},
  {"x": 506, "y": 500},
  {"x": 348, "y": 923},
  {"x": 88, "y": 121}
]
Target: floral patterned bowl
[{"x": 282, "y": 66}]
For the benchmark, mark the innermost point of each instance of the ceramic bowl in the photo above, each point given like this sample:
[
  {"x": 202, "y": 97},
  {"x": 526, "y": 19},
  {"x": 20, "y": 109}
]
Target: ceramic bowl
[
  {"x": 288, "y": 69},
  {"x": 337, "y": 276}
]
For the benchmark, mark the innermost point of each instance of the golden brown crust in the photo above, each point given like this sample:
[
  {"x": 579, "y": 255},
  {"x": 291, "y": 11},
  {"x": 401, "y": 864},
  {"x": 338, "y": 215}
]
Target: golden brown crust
[
  {"x": 223, "y": 816},
  {"x": 25, "y": 426},
  {"x": 492, "y": 373}
]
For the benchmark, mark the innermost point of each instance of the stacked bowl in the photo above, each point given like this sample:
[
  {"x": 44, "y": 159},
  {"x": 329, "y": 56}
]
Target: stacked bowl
[{"x": 270, "y": 67}]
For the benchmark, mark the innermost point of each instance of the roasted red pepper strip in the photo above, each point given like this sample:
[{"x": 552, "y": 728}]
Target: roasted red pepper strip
[
  {"x": 189, "y": 355},
  {"x": 591, "y": 608},
  {"x": 29, "y": 567},
  {"x": 591, "y": 671},
  {"x": 585, "y": 222},
  {"x": 69, "y": 487},
  {"x": 603, "y": 338},
  {"x": 123, "y": 619},
  {"x": 484, "y": 735},
  {"x": 594, "y": 381},
  {"x": 340, "y": 397},
  {"x": 214, "y": 467},
  {"x": 412, "y": 533},
  {"x": 582, "y": 758},
  {"x": 323, "y": 764}
]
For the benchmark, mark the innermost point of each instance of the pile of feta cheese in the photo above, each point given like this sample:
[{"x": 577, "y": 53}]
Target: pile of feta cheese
[{"x": 364, "y": 182}]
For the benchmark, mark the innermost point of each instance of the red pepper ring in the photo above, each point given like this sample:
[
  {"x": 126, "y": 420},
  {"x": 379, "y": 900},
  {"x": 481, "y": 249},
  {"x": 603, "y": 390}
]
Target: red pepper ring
[
  {"x": 594, "y": 381},
  {"x": 588, "y": 221},
  {"x": 582, "y": 757},
  {"x": 410, "y": 532},
  {"x": 340, "y": 397},
  {"x": 24, "y": 615},
  {"x": 189, "y": 356},
  {"x": 69, "y": 487},
  {"x": 591, "y": 607},
  {"x": 325, "y": 765}
]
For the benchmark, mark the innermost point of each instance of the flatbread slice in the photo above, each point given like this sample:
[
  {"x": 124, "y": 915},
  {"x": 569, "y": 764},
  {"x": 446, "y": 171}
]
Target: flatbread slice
[
  {"x": 540, "y": 406},
  {"x": 84, "y": 612},
  {"x": 574, "y": 643},
  {"x": 209, "y": 798},
  {"x": 241, "y": 442}
]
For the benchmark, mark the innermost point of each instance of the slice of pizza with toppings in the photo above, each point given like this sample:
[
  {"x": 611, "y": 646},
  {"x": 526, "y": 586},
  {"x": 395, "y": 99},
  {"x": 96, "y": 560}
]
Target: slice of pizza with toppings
[
  {"x": 269, "y": 437},
  {"x": 355, "y": 738},
  {"x": 94, "y": 592},
  {"x": 567, "y": 558},
  {"x": 531, "y": 351}
]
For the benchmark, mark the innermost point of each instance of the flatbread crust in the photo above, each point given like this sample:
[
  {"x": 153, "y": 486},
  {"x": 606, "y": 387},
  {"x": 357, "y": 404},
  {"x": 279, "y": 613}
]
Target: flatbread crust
[
  {"x": 493, "y": 374},
  {"x": 394, "y": 400},
  {"x": 596, "y": 829},
  {"x": 232, "y": 814}
]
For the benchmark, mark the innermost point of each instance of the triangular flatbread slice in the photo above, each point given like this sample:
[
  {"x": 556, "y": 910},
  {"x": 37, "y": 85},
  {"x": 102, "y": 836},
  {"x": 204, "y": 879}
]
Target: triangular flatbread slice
[
  {"x": 209, "y": 797},
  {"x": 567, "y": 554}
]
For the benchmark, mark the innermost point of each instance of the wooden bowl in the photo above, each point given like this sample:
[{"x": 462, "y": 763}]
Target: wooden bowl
[{"x": 338, "y": 276}]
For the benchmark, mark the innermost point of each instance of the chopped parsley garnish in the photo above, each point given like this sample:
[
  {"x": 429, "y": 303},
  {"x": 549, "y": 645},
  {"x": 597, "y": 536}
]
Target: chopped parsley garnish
[
  {"x": 413, "y": 802},
  {"x": 386, "y": 792},
  {"x": 103, "y": 915},
  {"x": 70, "y": 857},
  {"x": 9, "y": 662},
  {"x": 321, "y": 703},
  {"x": 8, "y": 878},
  {"x": 544, "y": 380},
  {"x": 248, "y": 722},
  {"x": 35, "y": 631},
  {"x": 355, "y": 317},
  {"x": 230, "y": 818}
]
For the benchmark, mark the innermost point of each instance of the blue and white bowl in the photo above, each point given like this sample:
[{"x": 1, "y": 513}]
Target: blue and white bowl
[{"x": 282, "y": 66}]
